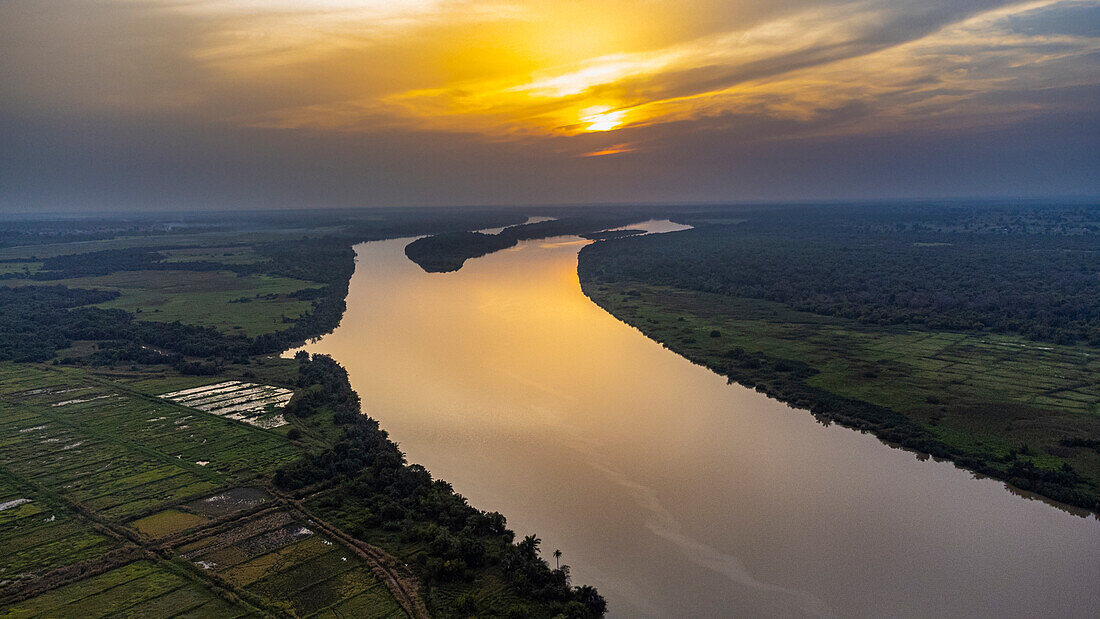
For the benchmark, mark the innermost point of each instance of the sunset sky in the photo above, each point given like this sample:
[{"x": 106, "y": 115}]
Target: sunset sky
[{"x": 118, "y": 104}]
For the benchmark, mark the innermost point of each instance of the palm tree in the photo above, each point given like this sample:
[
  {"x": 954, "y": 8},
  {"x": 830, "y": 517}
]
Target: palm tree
[
  {"x": 530, "y": 547},
  {"x": 557, "y": 558}
]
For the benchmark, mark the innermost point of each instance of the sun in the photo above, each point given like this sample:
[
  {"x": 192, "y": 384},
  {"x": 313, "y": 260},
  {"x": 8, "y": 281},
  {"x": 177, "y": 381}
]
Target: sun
[{"x": 602, "y": 118}]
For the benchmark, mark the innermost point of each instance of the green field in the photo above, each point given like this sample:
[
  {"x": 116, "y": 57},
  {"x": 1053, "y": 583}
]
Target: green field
[
  {"x": 19, "y": 267},
  {"x": 231, "y": 254},
  {"x": 1000, "y": 396},
  {"x": 40, "y": 532},
  {"x": 140, "y": 589}
]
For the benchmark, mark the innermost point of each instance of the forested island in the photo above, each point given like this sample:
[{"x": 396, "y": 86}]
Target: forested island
[
  {"x": 446, "y": 252},
  {"x": 117, "y": 337}
]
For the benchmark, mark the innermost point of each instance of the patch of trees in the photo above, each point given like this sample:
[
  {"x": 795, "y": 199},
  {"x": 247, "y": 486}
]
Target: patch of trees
[
  {"x": 841, "y": 263},
  {"x": 36, "y": 321},
  {"x": 97, "y": 263},
  {"x": 373, "y": 487},
  {"x": 443, "y": 253}
]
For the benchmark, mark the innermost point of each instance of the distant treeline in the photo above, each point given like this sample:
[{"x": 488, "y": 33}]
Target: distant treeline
[
  {"x": 843, "y": 262},
  {"x": 373, "y": 487},
  {"x": 33, "y": 230}
]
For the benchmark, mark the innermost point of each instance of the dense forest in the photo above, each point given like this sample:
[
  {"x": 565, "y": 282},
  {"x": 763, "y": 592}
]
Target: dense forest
[
  {"x": 443, "y": 253},
  {"x": 1040, "y": 282}
]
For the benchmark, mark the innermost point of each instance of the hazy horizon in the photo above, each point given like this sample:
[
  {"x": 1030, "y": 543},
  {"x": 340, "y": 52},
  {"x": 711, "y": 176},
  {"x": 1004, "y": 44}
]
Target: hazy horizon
[{"x": 947, "y": 201}]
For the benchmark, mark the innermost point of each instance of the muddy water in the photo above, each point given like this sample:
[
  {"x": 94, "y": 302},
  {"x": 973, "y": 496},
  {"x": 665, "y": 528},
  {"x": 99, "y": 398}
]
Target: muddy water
[{"x": 675, "y": 493}]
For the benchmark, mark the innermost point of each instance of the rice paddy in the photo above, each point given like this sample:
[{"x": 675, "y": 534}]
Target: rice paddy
[
  {"x": 92, "y": 471},
  {"x": 248, "y": 402},
  {"x": 139, "y": 589}
]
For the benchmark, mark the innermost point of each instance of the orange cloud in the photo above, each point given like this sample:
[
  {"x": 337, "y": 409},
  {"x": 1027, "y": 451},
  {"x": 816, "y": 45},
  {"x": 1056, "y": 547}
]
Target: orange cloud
[{"x": 610, "y": 150}]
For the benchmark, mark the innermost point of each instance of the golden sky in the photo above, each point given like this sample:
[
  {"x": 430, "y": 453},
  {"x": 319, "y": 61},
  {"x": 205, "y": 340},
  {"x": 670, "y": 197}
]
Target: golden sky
[{"x": 567, "y": 78}]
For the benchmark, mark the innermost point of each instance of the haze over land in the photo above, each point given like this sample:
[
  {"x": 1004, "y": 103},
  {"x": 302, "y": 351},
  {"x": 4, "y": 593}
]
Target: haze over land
[{"x": 271, "y": 103}]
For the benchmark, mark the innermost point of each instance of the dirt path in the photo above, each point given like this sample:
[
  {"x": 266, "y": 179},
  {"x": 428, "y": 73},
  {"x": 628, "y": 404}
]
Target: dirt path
[{"x": 402, "y": 583}]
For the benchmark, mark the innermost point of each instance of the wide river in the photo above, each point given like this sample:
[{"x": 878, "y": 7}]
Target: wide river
[{"x": 673, "y": 492}]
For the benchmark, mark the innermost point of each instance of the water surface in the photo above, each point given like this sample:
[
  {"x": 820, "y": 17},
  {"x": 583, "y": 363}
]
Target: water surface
[{"x": 673, "y": 492}]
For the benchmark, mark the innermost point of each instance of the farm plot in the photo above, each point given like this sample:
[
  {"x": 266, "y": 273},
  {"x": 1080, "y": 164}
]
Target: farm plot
[
  {"x": 38, "y": 533},
  {"x": 124, "y": 455},
  {"x": 284, "y": 560},
  {"x": 228, "y": 502},
  {"x": 167, "y": 522},
  {"x": 248, "y": 402},
  {"x": 140, "y": 589},
  {"x": 201, "y": 512}
]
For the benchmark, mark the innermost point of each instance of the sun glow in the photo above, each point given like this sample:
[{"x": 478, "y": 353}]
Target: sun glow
[
  {"x": 602, "y": 118},
  {"x": 505, "y": 70}
]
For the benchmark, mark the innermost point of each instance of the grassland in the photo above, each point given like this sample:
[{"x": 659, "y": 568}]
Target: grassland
[
  {"x": 998, "y": 399},
  {"x": 229, "y": 254},
  {"x": 19, "y": 267}
]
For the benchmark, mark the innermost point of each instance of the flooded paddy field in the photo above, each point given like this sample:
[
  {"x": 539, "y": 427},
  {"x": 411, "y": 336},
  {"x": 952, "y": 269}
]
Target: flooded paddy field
[{"x": 248, "y": 402}]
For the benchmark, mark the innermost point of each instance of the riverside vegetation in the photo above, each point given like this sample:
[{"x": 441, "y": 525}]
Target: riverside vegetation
[
  {"x": 117, "y": 501},
  {"x": 969, "y": 332}
]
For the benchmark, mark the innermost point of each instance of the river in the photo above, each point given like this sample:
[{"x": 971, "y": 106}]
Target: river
[{"x": 673, "y": 492}]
